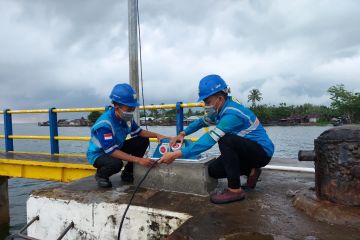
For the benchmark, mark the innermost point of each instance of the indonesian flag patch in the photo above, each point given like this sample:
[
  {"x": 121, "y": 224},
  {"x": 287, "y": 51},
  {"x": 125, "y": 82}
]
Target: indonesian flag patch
[{"x": 108, "y": 136}]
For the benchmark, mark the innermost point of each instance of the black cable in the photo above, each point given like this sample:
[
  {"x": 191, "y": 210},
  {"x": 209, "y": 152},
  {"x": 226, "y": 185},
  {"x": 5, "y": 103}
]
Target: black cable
[
  {"x": 140, "y": 58},
  {"x": 132, "y": 197},
  {"x": 141, "y": 68}
]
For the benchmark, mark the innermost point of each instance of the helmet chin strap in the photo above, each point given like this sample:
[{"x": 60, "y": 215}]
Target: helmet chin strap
[
  {"x": 117, "y": 111},
  {"x": 222, "y": 101},
  {"x": 216, "y": 108}
]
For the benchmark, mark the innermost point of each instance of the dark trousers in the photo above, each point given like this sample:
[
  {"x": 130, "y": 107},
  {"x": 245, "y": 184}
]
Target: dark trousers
[
  {"x": 238, "y": 156},
  {"x": 107, "y": 166}
]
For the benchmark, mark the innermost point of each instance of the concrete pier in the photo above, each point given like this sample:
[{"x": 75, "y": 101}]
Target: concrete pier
[{"x": 266, "y": 213}]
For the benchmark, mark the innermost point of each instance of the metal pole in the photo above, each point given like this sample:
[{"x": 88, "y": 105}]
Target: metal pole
[
  {"x": 179, "y": 118},
  {"x": 71, "y": 225},
  {"x": 53, "y": 125},
  {"x": 9, "y": 143},
  {"x": 290, "y": 169},
  {"x": 133, "y": 51}
]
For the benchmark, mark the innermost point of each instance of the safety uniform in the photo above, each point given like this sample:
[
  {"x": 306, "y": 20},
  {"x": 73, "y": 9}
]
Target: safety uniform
[
  {"x": 108, "y": 134},
  {"x": 234, "y": 119}
]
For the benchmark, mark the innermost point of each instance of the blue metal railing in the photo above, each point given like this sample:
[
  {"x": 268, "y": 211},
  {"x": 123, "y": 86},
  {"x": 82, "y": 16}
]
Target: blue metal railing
[{"x": 53, "y": 123}]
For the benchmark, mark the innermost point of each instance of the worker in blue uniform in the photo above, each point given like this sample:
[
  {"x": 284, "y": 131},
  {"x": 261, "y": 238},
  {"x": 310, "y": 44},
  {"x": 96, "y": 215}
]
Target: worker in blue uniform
[
  {"x": 243, "y": 142},
  {"x": 108, "y": 146}
]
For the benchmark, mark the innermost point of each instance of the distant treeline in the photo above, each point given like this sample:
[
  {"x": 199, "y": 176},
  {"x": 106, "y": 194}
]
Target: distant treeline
[
  {"x": 345, "y": 106},
  {"x": 268, "y": 114},
  {"x": 293, "y": 114}
]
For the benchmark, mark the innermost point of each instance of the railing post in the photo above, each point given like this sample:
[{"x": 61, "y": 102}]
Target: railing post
[
  {"x": 179, "y": 118},
  {"x": 9, "y": 143},
  {"x": 54, "y": 144}
]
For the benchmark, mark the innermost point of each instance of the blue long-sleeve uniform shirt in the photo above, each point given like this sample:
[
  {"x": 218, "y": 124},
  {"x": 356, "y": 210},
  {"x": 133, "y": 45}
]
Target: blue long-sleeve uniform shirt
[
  {"x": 233, "y": 118},
  {"x": 108, "y": 134}
]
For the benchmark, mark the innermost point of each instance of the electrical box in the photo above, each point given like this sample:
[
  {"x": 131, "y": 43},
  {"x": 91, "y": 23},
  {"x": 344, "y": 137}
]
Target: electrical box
[{"x": 164, "y": 147}]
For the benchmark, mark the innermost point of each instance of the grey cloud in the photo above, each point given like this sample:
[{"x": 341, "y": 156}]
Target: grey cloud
[
  {"x": 71, "y": 53},
  {"x": 85, "y": 22}
]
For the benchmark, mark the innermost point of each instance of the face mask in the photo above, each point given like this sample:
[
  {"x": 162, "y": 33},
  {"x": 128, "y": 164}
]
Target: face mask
[
  {"x": 210, "y": 111},
  {"x": 127, "y": 116}
]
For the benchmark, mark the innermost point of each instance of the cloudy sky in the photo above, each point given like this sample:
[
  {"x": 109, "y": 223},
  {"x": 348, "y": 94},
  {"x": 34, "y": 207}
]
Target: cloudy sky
[{"x": 71, "y": 53}]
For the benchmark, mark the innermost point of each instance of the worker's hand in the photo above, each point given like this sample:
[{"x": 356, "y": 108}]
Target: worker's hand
[
  {"x": 169, "y": 157},
  {"x": 159, "y": 137},
  {"x": 147, "y": 162},
  {"x": 179, "y": 138}
]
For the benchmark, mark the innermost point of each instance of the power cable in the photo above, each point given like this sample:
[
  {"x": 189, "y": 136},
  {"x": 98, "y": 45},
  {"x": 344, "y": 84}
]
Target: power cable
[
  {"x": 140, "y": 58},
  {"x": 132, "y": 197}
]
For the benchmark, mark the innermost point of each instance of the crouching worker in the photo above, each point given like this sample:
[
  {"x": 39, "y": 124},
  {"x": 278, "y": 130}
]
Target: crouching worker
[
  {"x": 244, "y": 144},
  {"x": 108, "y": 146}
]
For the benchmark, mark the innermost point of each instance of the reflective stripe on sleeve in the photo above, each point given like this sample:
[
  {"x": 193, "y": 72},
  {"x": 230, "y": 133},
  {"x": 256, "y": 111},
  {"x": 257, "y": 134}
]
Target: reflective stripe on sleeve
[
  {"x": 96, "y": 141},
  {"x": 110, "y": 149},
  {"x": 216, "y": 134},
  {"x": 249, "y": 129},
  {"x": 108, "y": 123}
]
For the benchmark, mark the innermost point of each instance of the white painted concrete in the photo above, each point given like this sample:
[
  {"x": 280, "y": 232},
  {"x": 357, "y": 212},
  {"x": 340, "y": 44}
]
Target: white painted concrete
[{"x": 98, "y": 220}]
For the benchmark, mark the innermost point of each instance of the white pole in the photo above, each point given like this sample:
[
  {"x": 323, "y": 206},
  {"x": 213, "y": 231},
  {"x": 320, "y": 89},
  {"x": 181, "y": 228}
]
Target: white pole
[{"x": 291, "y": 169}]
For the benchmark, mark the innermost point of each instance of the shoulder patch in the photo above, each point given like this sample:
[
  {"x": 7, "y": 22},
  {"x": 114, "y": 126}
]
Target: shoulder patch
[{"x": 108, "y": 136}]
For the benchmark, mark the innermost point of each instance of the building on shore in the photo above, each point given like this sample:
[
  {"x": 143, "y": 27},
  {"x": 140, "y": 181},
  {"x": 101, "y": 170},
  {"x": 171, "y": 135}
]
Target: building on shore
[{"x": 81, "y": 122}]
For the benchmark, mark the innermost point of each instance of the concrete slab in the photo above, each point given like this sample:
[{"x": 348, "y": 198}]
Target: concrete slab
[
  {"x": 266, "y": 213},
  {"x": 184, "y": 176}
]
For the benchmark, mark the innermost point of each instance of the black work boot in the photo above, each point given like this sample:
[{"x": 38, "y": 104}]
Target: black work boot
[{"x": 103, "y": 182}]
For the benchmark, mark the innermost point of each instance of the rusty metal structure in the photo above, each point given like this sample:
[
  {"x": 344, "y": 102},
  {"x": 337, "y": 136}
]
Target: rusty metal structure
[{"x": 337, "y": 165}]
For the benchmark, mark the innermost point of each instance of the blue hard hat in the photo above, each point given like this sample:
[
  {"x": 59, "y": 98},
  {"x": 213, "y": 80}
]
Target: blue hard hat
[
  {"x": 210, "y": 85},
  {"x": 124, "y": 94}
]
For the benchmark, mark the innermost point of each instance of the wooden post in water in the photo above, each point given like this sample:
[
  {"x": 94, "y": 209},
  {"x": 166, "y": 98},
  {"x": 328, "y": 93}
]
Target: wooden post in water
[
  {"x": 133, "y": 50},
  {"x": 4, "y": 201}
]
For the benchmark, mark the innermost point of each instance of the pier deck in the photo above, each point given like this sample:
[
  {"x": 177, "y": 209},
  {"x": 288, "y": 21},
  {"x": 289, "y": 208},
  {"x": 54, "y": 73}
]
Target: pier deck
[
  {"x": 266, "y": 213},
  {"x": 44, "y": 167},
  {"x": 43, "y": 157}
]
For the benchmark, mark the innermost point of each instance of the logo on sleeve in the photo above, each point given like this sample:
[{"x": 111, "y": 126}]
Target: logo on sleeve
[{"x": 108, "y": 136}]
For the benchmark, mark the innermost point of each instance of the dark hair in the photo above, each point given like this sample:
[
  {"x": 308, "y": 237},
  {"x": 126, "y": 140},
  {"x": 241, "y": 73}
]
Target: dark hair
[{"x": 221, "y": 94}]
